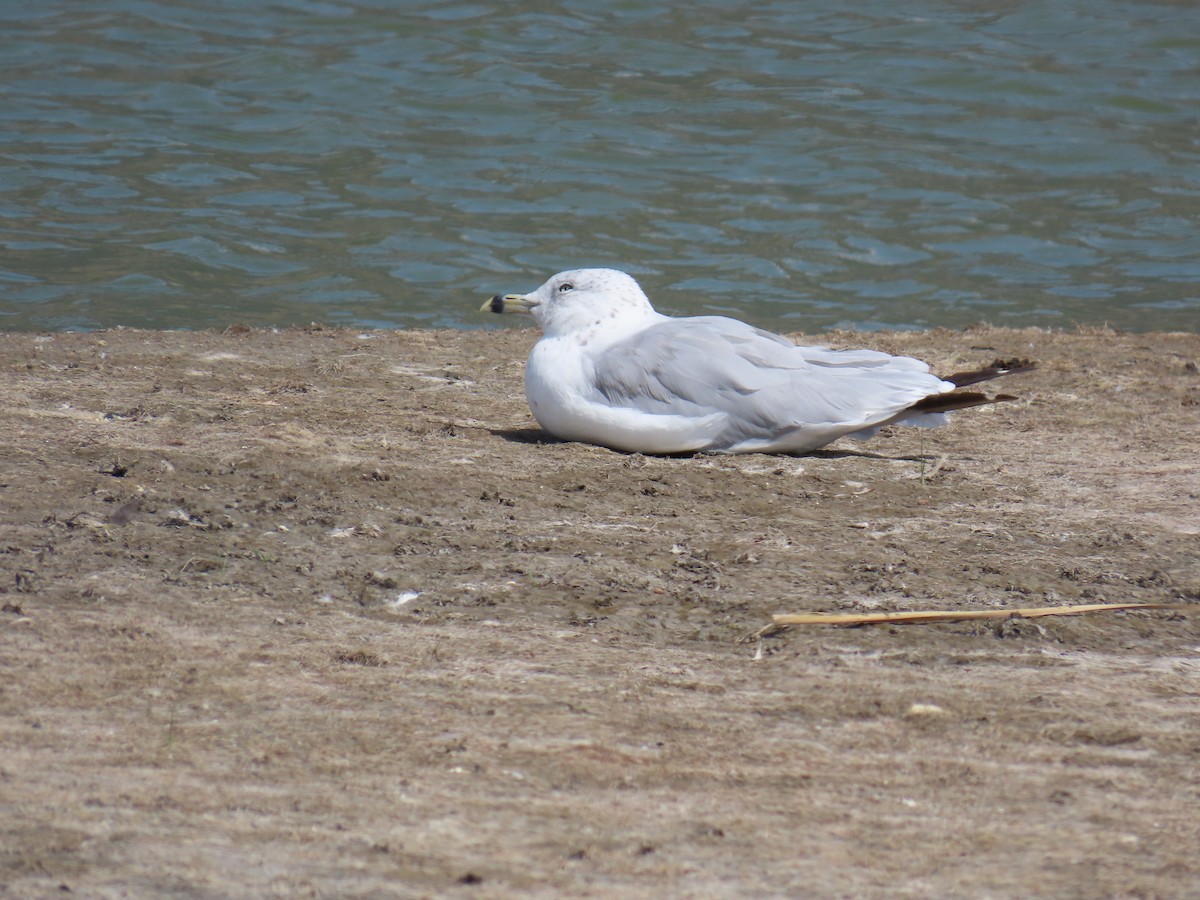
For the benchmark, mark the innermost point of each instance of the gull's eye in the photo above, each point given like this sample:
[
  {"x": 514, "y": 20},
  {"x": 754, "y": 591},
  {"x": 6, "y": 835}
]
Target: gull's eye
[{"x": 565, "y": 286}]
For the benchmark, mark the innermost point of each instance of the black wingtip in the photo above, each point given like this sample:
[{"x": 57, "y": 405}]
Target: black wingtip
[
  {"x": 997, "y": 369},
  {"x": 940, "y": 403}
]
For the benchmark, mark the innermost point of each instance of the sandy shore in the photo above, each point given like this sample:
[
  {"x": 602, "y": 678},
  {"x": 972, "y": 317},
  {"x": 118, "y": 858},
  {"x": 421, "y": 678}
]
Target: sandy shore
[{"x": 322, "y": 613}]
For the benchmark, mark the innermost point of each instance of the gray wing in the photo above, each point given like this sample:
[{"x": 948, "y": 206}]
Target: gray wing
[{"x": 764, "y": 383}]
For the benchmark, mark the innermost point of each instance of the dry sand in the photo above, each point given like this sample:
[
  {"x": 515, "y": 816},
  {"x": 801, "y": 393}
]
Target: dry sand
[{"x": 320, "y": 613}]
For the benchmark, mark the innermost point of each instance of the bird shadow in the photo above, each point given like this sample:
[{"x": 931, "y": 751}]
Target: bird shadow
[
  {"x": 526, "y": 435},
  {"x": 864, "y": 454},
  {"x": 538, "y": 436}
]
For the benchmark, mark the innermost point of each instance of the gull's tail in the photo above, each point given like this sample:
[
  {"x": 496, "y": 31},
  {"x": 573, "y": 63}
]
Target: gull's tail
[
  {"x": 941, "y": 403},
  {"x": 929, "y": 412}
]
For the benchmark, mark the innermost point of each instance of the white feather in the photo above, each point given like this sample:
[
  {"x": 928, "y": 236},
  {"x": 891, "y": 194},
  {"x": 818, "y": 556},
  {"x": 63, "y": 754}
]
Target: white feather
[{"x": 610, "y": 370}]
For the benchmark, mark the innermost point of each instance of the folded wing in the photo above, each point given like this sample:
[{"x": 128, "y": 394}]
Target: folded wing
[{"x": 766, "y": 387}]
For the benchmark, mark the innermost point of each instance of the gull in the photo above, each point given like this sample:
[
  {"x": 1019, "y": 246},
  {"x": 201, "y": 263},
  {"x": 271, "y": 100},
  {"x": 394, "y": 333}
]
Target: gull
[{"x": 610, "y": 370}]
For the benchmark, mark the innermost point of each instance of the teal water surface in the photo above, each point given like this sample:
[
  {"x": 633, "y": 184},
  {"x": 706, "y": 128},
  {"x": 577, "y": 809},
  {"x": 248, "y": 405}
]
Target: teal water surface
[{"x": 801, "y": 165}]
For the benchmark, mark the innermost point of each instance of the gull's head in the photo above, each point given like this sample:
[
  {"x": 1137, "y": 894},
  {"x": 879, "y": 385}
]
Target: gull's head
[{"x": 583, "y": 301}]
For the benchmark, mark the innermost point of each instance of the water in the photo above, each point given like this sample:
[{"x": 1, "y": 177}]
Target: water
[{"x": 867, "y": 164}]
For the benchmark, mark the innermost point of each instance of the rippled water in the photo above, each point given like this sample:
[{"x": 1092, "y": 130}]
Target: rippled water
[{"x": 803, "y": 165}]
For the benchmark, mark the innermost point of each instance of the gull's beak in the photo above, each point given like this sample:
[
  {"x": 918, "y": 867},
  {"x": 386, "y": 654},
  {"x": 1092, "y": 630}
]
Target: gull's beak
[{"x": 509, "y": 303}]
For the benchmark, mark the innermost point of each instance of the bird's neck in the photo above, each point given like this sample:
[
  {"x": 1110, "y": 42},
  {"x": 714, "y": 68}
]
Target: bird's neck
[{"x": 597, "y": 330}]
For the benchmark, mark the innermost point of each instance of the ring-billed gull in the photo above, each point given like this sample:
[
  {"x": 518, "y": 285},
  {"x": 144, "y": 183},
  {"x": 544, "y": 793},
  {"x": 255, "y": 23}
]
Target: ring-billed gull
[{"x": 610, "y": 370}]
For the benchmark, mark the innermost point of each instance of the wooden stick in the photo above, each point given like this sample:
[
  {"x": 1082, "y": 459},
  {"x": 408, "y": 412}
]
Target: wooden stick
[{"x": 945, "y": 615}]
